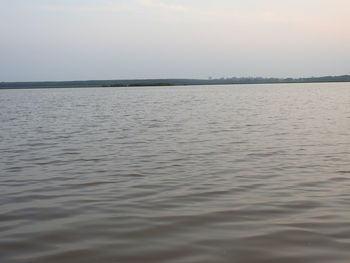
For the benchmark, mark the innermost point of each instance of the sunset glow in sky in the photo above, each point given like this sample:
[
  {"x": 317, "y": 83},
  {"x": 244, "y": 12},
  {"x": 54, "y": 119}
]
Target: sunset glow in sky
[{"x": 121, "y": 39}]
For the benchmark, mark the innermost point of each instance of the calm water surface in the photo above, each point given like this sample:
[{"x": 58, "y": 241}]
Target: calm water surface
[{"x": 245, "y": 173}]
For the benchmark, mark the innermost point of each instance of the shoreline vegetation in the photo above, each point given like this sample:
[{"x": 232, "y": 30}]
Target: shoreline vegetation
[
  {"x": 139, "y": 85},
  {"x": 168, "y": 82}
]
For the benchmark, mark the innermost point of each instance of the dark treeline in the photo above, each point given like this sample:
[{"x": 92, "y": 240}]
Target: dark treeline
[
  {"x": 139, "y": 85},
  {"x": 170, "y": 82}
]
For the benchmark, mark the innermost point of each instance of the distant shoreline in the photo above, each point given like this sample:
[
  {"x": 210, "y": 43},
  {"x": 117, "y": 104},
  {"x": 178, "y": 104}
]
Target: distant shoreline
[{"x": 168, "y": 82}]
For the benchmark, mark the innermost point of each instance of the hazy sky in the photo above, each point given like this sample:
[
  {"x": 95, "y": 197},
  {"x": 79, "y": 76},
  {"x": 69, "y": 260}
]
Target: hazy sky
[{"x": 119, "y": 39}]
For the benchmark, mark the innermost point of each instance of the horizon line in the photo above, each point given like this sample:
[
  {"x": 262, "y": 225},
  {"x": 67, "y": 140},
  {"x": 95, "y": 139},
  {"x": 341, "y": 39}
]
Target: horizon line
[{"x": 179, "y": 78}]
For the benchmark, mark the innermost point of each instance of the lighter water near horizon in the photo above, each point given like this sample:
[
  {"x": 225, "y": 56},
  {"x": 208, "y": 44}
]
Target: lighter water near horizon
[{"x": 237, "y": 173}]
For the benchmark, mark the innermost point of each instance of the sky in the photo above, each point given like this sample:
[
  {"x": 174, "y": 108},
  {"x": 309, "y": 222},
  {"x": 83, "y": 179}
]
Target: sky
[{"x": 135, "y": 39}]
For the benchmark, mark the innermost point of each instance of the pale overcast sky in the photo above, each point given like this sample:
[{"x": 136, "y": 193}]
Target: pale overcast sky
[{"x": 121, "y": 39}]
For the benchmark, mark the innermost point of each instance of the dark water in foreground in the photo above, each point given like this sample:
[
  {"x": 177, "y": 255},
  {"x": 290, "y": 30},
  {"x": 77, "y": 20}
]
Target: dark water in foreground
[{"x": 252, "y": 173}]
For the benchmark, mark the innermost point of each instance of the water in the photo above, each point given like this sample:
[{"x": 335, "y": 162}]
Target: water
[{"x": 245, "y": 173}]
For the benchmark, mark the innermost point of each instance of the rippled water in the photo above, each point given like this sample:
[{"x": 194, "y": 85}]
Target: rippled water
[{"x": 246, "y": 173}]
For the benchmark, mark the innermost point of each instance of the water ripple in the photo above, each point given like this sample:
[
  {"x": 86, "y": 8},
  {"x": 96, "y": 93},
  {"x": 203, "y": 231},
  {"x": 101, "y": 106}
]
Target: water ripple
[{"x": 254, "y": 173}]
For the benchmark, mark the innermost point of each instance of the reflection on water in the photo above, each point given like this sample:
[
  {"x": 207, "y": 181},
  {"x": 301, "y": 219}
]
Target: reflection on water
[{"x": 250, "y": 173}]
